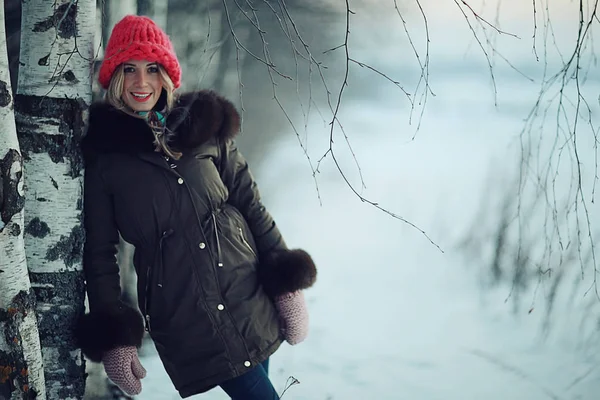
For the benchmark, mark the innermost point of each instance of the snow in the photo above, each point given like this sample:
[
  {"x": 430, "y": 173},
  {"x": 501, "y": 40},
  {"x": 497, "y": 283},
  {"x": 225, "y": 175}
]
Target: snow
[{"x": 392, "y": 316}]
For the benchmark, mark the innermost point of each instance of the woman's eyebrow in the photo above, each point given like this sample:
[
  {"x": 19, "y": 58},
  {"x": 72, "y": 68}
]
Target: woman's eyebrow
[{"x": 152, "y": 64}]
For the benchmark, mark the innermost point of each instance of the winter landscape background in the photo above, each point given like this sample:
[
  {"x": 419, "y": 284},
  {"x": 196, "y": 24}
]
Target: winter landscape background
[{"x": 392, "y": 316}]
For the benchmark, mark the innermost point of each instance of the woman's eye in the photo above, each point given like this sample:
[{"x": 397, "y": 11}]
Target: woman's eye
[
  {"x": 128, "y": 70},
  {"x": 153, "y": 70}
]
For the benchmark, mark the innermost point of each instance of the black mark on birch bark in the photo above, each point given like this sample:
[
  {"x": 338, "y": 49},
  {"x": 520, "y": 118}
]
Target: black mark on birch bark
[
  {"x": 44, "y": 60},
  {"x": 32, "y": 117},
  {"x": 63, "y": 20},
  {"x": 11, "y": 202},
  {"x": 69, "y": 76},
  {"x": 13, "y": 367},
  {"x": 15, "y": 229},
  {"x": 5, "y": 96},
  {"x": 68, "y": 248},
  {"x": 62, "y": 294},
  {"x": 37, "y": 228}
]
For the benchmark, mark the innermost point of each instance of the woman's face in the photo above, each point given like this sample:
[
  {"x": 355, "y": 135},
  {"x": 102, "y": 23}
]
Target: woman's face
[{"x": 142, "y": 84}]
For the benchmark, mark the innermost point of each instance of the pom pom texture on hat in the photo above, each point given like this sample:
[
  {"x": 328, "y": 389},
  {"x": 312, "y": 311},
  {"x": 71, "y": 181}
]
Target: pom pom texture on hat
[{"x": 139, "y": 38}]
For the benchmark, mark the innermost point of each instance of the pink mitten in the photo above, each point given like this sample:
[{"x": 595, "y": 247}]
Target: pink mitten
[
  {"x": 123, "y": 367},
  {"x": 294, "y": 316}
]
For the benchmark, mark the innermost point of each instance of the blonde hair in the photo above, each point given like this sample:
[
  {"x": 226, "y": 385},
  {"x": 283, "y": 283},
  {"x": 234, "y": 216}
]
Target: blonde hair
[{"x": 162, "y": 135}]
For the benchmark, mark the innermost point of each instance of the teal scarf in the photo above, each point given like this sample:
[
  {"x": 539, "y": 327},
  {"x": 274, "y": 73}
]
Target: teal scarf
[{"x": 153, "y": 117}]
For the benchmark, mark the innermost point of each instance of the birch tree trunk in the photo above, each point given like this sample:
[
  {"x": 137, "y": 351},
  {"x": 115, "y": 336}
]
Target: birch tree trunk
[
  {"x": 12, "y": 30},
  {"x": 114, "y": 10},
  {"x": 21, "y": 369},
  {"x": 155, "y": 9},
  {"x": 53, "y": 96}
]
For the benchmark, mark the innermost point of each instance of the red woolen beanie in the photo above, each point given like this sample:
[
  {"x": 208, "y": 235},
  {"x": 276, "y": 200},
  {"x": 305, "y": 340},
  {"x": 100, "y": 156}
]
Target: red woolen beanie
[{"x": 138, "y": 38}]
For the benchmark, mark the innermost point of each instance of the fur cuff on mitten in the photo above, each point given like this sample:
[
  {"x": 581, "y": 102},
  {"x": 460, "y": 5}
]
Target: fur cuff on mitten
[
  {"x": 286, "y": 271},
  {"x": 283, "y": 275},
  {"x": 294, "y": 316},
  {"x": 100, "y": 331},
  {"x": 123, "y": 367}
]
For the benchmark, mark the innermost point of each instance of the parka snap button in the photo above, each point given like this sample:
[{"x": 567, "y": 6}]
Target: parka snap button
[
  {"x": 180, "y": 181},
  {"x": 220, "y": 264},
  {"x": 247, "y": 363},
  {"x": 220, "y": 307},
  {"x": 202, "y": 245}
]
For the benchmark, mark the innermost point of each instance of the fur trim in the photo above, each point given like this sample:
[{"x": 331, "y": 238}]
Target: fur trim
[
  {"x": 200, "y": 116},
  {"x": 113, "y": 131},
  {"x": 287, "y": 271},
  {"x": 100, "y": 331},
  {"x": 196, "y": 118}
]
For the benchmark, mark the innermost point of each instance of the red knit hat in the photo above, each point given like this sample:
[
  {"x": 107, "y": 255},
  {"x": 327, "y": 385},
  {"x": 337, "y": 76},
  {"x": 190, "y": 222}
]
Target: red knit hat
[{"x": 138, "y": 38}]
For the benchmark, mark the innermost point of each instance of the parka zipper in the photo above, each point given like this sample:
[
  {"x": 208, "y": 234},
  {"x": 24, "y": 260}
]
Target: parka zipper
[
  {"x": 159, "y": 276},
  {"x": 219, "y": 259},
  {"x": 199, "y": 221},
  {"x": 245, "y": 241}
]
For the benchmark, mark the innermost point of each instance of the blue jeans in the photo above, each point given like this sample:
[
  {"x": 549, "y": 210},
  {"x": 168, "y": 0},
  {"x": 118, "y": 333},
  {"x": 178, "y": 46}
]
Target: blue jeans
[{"x": 253, "y": 385}]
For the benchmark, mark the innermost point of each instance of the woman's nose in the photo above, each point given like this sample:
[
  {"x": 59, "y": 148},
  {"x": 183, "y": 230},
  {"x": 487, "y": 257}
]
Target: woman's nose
[{"x": 140, "y": 77}]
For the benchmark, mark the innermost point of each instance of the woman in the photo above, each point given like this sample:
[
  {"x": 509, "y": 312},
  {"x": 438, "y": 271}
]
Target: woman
[{"x": 217, "y": 287}]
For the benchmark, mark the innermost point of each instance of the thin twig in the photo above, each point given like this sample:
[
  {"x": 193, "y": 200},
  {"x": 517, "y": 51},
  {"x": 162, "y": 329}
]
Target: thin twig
[
  {"x": 251, "y": 54},
  {"x": 333, "y": 123},
  {"x": 479, "y": 18},
  {"x": 534, "y": 37},
  {"x": 291, "y": 381},
  {"x": 361, "y": 64},
  {"x": 487, "y": 57}
]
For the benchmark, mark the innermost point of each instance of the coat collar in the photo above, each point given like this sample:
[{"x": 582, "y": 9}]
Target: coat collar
[{"x": 196, "y": 118}]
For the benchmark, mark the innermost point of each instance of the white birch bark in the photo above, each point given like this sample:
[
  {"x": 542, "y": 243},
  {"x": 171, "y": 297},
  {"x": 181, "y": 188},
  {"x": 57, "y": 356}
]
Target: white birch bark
[
  {"x": 17, "y": 302},
  {"x": 112, "y": 12},
  {"x": 53, "y": 95},
  {"x": 116, "y": 10}
]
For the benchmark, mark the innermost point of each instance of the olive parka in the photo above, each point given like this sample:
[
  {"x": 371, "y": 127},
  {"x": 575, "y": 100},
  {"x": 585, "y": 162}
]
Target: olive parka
[{"x": 209, "y": 257}]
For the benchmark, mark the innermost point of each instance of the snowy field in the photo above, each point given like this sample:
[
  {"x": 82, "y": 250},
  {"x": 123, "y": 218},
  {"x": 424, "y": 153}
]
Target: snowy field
[{"x": 392, "y": 316}]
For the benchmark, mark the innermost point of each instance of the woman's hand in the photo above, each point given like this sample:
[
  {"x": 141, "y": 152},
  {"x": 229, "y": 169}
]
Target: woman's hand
[
  {"x": 123, "y": 367},
  {"x": 294, "y": 316}
]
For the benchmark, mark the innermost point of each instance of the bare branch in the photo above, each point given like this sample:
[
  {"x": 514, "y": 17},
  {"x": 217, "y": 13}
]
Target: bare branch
[
  {"x": 276, "y": 98},
  {"x": 335, "y": 121},
  {"x": 487, "y": 57},
  {"x": 291, "y": 381},
  {"x": 479, "y": 18},
  {"x": 537, "y": 58},
  {"x": 238, "y": 43},
  {"x": 361, "y": 64},
  {"x": 424, "y": 76}
]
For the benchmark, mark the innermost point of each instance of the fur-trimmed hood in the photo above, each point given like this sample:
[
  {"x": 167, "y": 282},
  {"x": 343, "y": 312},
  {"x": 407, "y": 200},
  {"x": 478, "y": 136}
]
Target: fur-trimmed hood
[{"x": 196, "y": 118}]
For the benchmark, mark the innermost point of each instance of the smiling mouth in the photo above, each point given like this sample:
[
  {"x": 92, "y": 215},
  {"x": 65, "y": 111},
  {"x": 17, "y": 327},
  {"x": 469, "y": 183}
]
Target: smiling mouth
[{"x": 141, "y": 97}]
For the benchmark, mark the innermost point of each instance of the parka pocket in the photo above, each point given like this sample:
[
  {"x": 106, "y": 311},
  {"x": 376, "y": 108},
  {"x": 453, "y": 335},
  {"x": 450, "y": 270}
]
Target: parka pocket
[
  {"x": 154, "y": 280},
  {"x": 245, "y": 242}
]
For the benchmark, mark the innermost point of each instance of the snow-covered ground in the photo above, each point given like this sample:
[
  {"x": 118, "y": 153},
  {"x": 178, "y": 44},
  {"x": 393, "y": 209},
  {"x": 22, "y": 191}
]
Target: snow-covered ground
[{"x": 392, "y": 317}]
